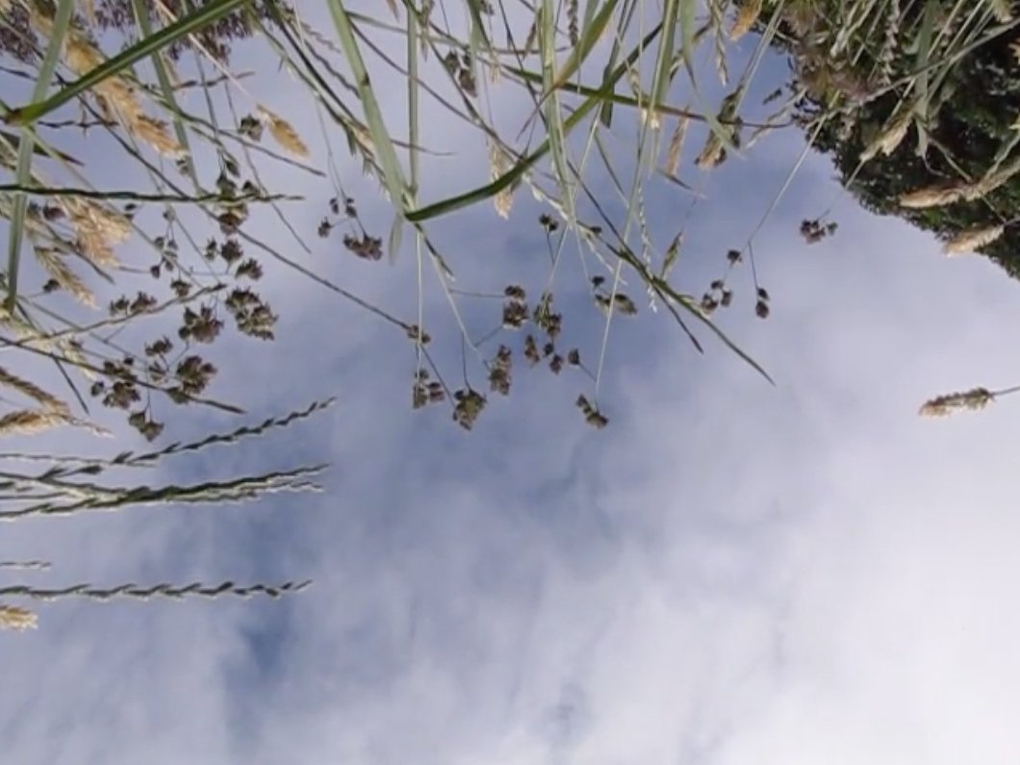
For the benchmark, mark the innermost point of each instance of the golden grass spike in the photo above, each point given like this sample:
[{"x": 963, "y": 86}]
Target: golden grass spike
[
  {"x": 99, "y": 228},
  {"x": 676, "y": 145},
  {"x": 17, "y": 618},
  {"x": 499, "y": 164},
  {"x": 283, "y": 133},
  {"x": 155, "y": 133},
  {"x": 68, "y": 280},
  {"x": 992, "y": 181},
  {"x": 712, "y": 154},
  {"x": 82, "y": 56},
  {"x": 33, "y": 391},
  {"x": 1002, "y": 11},
  {"x": 88, "y": 9},
  {"x": 746, "y": 17},
  {"x": 891, "y": 136},
  {"x": 932, "y": 196},
  {"x": 26, "y": 421},
  {"x": 972, "y": 239}
]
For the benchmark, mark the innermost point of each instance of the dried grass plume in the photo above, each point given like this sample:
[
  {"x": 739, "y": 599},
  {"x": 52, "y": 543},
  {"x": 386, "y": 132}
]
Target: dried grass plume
[
  {"x": 943, "y": 406},
  {"x": 27, "y": 421},
  {"x": 499, "y": 164},
  {"x": 746, "y": 17},
  {"x": 17, "y": 618},
  {"x": 972, "y": 239},
  {"x": 932, "y": 196},
  {"x": 284, "y": 133}
]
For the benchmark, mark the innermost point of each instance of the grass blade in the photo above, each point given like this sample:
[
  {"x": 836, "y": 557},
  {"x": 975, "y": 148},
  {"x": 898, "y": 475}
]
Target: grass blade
[
  {"x": 24, "y": 167},
  {"x": 203, "y": 16},
  {"x": 661, "y": 79},
  {"x": 553, "y": 116},
  {"x": 393, "y": 176},
  {"x": 165, "y": 86},
  {"x": 592, "y": 34}
]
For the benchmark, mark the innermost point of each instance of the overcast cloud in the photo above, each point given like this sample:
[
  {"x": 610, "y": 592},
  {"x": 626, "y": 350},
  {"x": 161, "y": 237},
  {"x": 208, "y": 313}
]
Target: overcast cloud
[{"x": 730, "y": 573}]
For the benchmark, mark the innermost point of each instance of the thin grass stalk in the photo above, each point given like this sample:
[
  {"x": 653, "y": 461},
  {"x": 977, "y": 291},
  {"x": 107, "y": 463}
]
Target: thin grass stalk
[
  {"x": 114, "y": 499},
  {"x": 414, "y": 161},
  {"x": 162, "y": 590}
]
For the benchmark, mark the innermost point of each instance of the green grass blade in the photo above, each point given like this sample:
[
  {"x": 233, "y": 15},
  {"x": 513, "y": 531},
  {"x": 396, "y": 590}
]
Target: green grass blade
[
  {"x": 477, "y": 24},
  {"x": 24, "y": 166},
  {"x": 393, "y": 176},
  {"x": 585, "y": 45},
  {"x": 606, "y": 113},
  {"x": 145, "y": 25},
  {"x": 625, "y": 100},
  {"x": 688, "y": 10},
  {"x": 688, "y": 21},
  {"x": 693, "y": 308},
  {"x": 207, "y": 14},
  {"x": 553, "y": 115},
  {"x": 661, "y": 78}
]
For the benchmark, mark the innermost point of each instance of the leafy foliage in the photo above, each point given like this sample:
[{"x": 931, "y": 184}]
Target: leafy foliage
[{"x": 926, "y": 97}]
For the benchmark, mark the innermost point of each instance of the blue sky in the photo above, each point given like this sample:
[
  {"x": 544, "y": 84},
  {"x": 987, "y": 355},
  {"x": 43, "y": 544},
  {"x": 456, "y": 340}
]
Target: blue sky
[{"x": 730, "y": 572}]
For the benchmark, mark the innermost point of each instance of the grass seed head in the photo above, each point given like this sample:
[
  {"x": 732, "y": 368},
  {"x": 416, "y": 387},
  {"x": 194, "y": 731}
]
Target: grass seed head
[
  {"x": 931, "y": 196},
  {"x": 283, "y": 133},
  {"x": 943, "y": 406},
  {"x": 746, "y": 18},
  {"x": 972, "y": 239},
  {"x": 28, "y": 421},
  {"x": 16, "y": 618}
]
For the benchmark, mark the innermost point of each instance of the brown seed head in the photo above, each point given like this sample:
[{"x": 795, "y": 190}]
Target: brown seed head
[{"x": 943, "y": 406}]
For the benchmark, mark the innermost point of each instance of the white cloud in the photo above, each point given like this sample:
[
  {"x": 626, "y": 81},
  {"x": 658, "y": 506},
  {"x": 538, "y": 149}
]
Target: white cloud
[{"x": 729, "y": 572}]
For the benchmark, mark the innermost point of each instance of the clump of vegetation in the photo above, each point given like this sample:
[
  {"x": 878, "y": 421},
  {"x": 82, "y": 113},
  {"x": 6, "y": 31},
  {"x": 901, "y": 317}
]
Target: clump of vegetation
[
  {"x": 917, "y": 103},
  {"x": 73, "y": 226}
]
